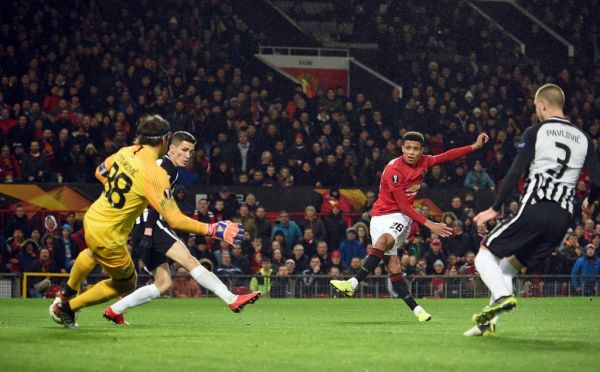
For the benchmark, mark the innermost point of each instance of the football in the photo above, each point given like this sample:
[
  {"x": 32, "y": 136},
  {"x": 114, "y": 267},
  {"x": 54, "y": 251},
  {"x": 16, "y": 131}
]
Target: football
[{"x": 53, "y": 315}]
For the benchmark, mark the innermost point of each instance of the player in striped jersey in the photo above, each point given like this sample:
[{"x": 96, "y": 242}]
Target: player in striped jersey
[
  {"x": 553, "y": 153},
  {"x": 156, "y": 241},
  {"x": 131, "y": 180}
]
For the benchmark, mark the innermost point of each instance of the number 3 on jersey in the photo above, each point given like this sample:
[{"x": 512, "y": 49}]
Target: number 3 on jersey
[
  {"x": 117, "y": 184},
  {"x": 564, "y": 163}
]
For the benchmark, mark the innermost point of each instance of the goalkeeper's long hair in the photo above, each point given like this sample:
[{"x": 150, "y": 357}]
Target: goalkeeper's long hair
[{"x": 152, "y": 130}]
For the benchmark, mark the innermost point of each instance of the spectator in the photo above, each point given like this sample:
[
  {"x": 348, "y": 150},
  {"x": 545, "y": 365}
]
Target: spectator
[
  {"x": 570, "y": 249},
  {"x": 34, "y": 166},
  {"x": 263, "y": 227},
  {"x": 335, "y": 197},
  {"x": 290, "y": 229},
  {"x": 477, "y": 179},
  {"x": 184, "y": 285},
  {"x": 437, "y": 283},
  {"x": 309, "y": 243},
  {"x": 335, "y": 226},
  {"x": 291, "y": 266},
  {"x": 323, "y": 254},
  {"x": 226, "y": 270},
  {"x": 44, "y": 264},
  {"x": 28, "y": 254},
  {"x": 202, "y": 253},
  {"x": 281, "y": 287},
  {"x": 433, "y": 254},
  {"x": 247, "y": 220},
  {"x": 312, "y": 220},
  {"x": 230, "y": 204},
  {"x": 312, "y": 285},
  {"x": 262, "y": 280},
  {"x": 19, "y": 221},
  {"x": 353, "y": 268},
  {"x": 336, "y": 260},
  {"x": 66, "y": 250},
  {"x": 555, "y": 264},
  {"x": 362, "y": 235},
  {"x": 277, "y": 260},
  {"x": 240, "y": 260},
  {"x": 351, "y": 247},
  {"x": 300, "y": 259},
  {"x": 459, "y": 242},
  {"x": 588, "y": 265}
]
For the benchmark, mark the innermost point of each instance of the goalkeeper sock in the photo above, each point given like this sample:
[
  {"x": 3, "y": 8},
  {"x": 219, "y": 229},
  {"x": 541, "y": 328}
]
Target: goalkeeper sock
[
  {"x": 210, "y": 281},
  {"x": 399, "y": 285},
  {"x": 84, "y": 264},
  {"x": 139, "y": 297},
  {"x": 101, "y": 292},
  {"x": 491, "y": 274},
  {"x": 373, "y": 259}
]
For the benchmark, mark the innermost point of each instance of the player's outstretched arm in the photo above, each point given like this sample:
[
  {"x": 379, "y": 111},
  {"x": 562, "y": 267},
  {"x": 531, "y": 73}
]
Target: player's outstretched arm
[
  {"x": 159, "y": 196},
  {"x": 525, "y": 154},
  {"x": 458, "y": 152}
]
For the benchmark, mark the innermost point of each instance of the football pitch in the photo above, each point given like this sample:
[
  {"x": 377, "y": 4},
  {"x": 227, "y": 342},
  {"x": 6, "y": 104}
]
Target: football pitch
[{"x": 561, "y": 334}]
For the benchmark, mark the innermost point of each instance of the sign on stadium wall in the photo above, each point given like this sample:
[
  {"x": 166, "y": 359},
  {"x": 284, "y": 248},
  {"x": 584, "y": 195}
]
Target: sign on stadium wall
[
  {"x": 78, "y": 197},
  {"x": 312, "y": 72}
]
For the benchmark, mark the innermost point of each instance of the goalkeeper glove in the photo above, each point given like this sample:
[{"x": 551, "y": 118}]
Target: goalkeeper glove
[{"x": 231, "y": 232}]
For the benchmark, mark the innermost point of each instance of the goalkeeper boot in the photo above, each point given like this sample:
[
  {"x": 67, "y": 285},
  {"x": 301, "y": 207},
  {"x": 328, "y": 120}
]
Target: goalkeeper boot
[
  {"x": 485, "y": 329},
  {"x": 119, "y": 319},
  {"x": 501, "y": 305},
  {"x": 244, "y": 300},
  {"x": 343, "y": 286},
  {"x": 422, "y": 315},
  {"x": 66, "y": 314}
]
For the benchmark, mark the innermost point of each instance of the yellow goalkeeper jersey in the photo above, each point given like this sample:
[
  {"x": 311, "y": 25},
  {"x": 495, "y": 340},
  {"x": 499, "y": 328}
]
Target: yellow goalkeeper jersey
[{"x": 132, "y": 179}]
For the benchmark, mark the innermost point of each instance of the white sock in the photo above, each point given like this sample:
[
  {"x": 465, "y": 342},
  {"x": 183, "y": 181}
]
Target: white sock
[
  {"x": 139, "y": 297},
  {"x": 210, "y": 281},
  {"x": 353, "y": 282},
  {"x": 508, "y": 273},
  {"x": 491, "y": 274},
  {"x": 417, "y": 309}
]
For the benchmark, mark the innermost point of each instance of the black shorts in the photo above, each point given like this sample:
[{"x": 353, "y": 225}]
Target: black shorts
[
  {"x": 532, "y": 234},
  {"x": 163, "y": 238}
]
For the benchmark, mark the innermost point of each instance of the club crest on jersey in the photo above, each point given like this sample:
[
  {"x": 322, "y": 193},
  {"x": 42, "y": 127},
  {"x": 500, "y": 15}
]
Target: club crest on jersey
[{"x": 395, "y": 179}]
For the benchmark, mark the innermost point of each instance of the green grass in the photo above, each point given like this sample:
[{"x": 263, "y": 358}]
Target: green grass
[{"x": 303, "y": 335}]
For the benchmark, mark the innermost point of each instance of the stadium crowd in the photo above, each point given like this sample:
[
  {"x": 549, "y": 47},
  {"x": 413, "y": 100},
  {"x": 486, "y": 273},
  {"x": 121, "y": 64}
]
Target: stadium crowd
[{"x": 75, "y": 81}]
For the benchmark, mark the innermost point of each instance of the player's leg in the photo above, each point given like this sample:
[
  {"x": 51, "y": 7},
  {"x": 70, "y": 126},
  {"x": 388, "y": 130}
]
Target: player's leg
[
  {"x": 82, "y": 267},
  {"x": 180, "y": 254},
  {"x": 401, "y": 287},
  {"x": 162, "y": 285},
  {"x": 385, "y": 232},
  {"x": 118, "y": 265}
]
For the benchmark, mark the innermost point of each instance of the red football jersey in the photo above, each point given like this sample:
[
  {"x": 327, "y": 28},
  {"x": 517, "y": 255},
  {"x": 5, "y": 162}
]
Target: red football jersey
[{"x": 401, "y": 182}]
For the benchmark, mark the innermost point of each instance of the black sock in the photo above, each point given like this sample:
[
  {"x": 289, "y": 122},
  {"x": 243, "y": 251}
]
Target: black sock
[
  {"x": 68, "y": 291},
  {"x": 399, "y": 285},
  {"x": 371, "y": 262},
  {"x": 66, "y": 307}
]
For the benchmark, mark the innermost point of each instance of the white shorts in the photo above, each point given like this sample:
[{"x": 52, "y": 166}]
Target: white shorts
[{"x": 395, "y": 224}]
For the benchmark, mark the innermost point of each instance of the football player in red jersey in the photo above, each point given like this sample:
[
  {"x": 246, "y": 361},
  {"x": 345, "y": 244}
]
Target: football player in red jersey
[{"x": 393, "y": 213}]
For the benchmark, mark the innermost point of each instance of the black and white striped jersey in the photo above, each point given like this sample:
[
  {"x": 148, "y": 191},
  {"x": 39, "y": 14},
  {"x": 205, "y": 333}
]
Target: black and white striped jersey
[
  {"x": 552, "y": 153},
  {"x": 167, "y": 164}
]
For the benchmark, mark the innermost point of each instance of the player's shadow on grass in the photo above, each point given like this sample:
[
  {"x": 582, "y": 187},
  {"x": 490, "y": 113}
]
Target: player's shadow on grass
[
  {"x": 541, "y": 344},
  {"x": 373, "y": 322}
]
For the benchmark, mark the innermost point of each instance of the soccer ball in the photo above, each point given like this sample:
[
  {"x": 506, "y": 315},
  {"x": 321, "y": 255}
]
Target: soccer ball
[{"x": 57, "y": 319}]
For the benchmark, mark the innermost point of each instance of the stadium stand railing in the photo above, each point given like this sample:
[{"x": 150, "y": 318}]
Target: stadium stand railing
[{"x": 317, "y": 286}]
